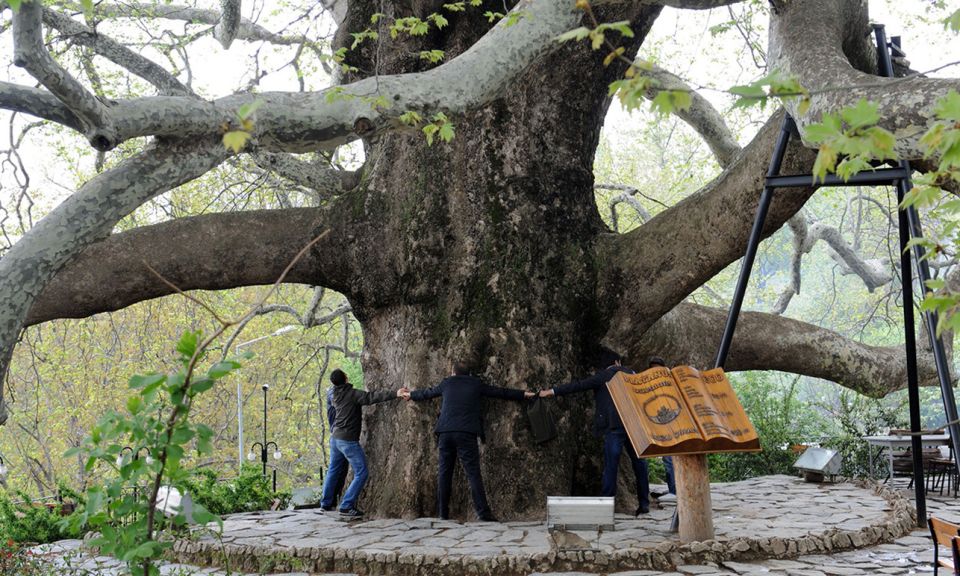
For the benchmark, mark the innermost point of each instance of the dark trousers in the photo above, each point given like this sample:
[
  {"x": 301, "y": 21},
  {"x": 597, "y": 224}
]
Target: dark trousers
[
  {"x": 613, "y": 445},
  {"x": 462, "y": 445}
]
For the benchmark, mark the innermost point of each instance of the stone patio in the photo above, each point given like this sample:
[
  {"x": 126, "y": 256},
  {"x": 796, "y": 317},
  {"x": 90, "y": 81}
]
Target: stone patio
[{"x": 771, "y": 525}]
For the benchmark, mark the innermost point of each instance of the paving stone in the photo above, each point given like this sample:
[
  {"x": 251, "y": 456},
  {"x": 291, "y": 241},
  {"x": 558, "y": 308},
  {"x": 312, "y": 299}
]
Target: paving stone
[{"x": 753, "y": 510}]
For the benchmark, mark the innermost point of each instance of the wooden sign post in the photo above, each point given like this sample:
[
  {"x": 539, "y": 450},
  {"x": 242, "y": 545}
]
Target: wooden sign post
[
  {"x": 686, "y": 414},
  {"x": 694, "y": 504}
]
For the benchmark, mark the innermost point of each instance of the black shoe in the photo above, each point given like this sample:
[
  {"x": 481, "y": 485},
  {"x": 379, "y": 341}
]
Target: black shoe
[
  {"x": 657, "y": 494},
  {"x": 488, "y": 518},
  {"x": 642, "y": 510},
  {"x": 351, "y": 514},
  {"x": 328, "y": 508}
]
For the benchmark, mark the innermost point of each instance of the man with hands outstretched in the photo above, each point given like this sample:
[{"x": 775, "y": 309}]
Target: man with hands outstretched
[
  {"x": 458, "y": 428},
  {"x": 607, "y": 423}
]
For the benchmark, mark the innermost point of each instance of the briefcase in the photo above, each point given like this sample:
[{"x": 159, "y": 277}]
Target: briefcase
[{"x": 542, "y": 425}]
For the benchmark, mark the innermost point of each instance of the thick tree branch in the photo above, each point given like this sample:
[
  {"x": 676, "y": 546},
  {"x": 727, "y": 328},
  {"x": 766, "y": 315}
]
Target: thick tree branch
[
  {"x": 30, "y": 54},
  {"x": 816, "y": 41},
  {"x": 229, "y": 24},
  {"x": 303, "y": 122},
  {"x": 210, "y": 252},
  {"x": 701, "y": 116},
  {"x": 116, "y": 53},
  {"x": 85, "y": 217},
  {"x": 653, "y": 268},
  {"x": 690, "y": 334},
  {"x": 39, "y": 103}
]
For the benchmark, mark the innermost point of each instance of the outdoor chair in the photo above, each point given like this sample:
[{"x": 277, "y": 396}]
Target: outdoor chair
[{"x": 944, "y": 534}]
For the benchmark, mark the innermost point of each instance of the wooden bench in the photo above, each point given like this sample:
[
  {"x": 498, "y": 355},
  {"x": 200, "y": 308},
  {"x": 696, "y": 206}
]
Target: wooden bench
[{"x": 944, "y": 534}]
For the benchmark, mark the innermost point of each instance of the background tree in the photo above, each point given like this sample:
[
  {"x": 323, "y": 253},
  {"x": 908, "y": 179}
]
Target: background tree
[{"x": 488, "y": 245}]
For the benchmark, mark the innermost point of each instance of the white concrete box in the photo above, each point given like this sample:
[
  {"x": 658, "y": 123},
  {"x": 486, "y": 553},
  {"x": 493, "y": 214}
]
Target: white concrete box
[{"x": 579, "y": 513}]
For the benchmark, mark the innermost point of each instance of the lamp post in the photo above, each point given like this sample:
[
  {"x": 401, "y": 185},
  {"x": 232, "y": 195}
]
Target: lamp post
[
  {"x": 264, "y": 446},
  {"x": 236, "y": 349},
  {"x": 136, "y": 456},
  {"x": 3, "y": 469}
]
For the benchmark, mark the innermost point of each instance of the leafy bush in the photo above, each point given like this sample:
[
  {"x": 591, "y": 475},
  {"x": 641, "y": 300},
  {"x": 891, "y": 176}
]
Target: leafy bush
[
  {"x": 250, "y": 491},
  {"x": 781, "y": 420},
  {"x": 32, "y": 522}
]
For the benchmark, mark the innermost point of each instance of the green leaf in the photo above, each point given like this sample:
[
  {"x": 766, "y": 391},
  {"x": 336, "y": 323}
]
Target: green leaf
[
  {"x": 429, "y": 130},
  {"x": 221, "y": 369},
  {"x": 134, "y": 404},
  {"x": 187, "y": 346},
  {"x": 948, "y": 107},
  {"x": 411, "y": 118},
  {"x": 15, "y": 4},
  {"x": 953, "y": 21},
  {"x": 142, "y": 381},
  {"x": 446, "y": 132},
  {"x": 244, "y": 112},
  {"x": 936, "y": 283},
  {"x": 575, "y": 34},
  {"x": 861, "y": 114},
  {"x": 181, "y": 436},
  {"x": 235, "y": 140},
  {"x": 201, "y": 385},
  {"x": 667, "y": 101}
]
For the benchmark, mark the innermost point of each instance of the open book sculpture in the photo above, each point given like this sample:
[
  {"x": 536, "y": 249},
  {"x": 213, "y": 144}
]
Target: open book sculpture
[{"x": 682, "y": 411}]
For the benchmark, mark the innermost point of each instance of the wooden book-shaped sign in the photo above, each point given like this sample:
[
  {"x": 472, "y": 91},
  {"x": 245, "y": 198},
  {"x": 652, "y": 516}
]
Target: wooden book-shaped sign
[{"x": 682, "y": 411}]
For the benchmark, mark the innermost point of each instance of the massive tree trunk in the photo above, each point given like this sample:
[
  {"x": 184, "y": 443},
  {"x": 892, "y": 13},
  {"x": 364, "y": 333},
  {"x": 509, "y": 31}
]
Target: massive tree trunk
[{"x": 483, "y": 248}]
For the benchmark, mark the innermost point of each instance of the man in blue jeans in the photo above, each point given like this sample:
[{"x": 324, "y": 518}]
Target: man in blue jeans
[
  {"x": 607, "y": 423},
  {"x": 345, "y": 443}
]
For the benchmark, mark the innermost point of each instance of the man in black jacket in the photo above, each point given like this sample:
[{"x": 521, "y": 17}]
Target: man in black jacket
[
  {"x": 458, "y": 429},
  {"x": 345, "y": 442},
  {"x": 607, "y": 423}
]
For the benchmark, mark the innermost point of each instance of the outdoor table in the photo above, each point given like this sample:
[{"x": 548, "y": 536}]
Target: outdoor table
[{"x": 896, "y": 442}]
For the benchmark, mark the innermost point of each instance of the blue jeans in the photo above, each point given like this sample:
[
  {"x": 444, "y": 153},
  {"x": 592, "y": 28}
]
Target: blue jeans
[
  {"x": 668, "y": 472},
  {"x": 343, "y": 452},
  {"x": 613, "y": 444}
]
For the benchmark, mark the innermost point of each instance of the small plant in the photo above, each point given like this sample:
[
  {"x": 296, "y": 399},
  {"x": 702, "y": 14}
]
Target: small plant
[
  {"x": 32, "y": 522},
  {"x": 127, "y": 516},
  {"x": 246, "y": 493}
]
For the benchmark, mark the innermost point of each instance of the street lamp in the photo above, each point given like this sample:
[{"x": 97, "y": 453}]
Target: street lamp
[
  {"x": 3, "y": 469},
  {"x": 265, "y": 446},
  {"x": 236, "y": 349}
]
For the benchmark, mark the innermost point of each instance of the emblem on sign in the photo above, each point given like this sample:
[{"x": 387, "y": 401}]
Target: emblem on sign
[{"x": 662, "y": 409}]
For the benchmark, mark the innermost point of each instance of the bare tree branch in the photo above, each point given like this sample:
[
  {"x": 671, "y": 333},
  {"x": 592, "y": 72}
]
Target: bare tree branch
[
  {"x": 701, "y": 116},
  {"x": 32, "y": 55},
  {"x": 116, "y": 53},
  {"x": 689, "y": 334},
  {"x": 325, "y": 180},
  {"x": 229, "y": 24}
]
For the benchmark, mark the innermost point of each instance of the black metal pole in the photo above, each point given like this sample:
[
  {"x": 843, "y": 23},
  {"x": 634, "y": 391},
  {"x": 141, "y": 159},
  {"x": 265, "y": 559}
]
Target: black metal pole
[
  {"x": 910, "y": 345},
  {"x": 755, "y": 233},
  {"x": 263, "y": 455},
  {"x": 936, "y": 343}
]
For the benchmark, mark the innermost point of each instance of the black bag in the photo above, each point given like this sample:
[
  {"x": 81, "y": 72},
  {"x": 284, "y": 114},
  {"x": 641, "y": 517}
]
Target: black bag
[{"x": 542, "y": 425}]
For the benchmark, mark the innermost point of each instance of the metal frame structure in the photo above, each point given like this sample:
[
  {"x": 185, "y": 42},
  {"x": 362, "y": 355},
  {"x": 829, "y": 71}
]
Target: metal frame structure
[{"x": 909, "y": 227}]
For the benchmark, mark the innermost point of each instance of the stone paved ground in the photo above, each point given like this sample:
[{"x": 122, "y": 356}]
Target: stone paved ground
[{"x": 760, "y": 508}]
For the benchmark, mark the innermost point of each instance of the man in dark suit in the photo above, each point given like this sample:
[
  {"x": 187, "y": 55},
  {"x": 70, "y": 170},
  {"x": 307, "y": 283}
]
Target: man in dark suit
[
  {"x": 458, "y": 429},
  {"x": 607, "y": 423}
]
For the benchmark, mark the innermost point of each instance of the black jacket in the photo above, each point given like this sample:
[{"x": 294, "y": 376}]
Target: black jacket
[
  {"x": 461, "y": 408},
  {"x": 347, "y": 402},
  {"x": 605, "y": 416}
]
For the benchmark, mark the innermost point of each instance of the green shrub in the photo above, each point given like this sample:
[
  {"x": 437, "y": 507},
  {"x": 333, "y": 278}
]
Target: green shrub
[
  {"x": 249, "y": 492},
  {"x": 780, "y": 419},
  {"x": 32, "y": 522}
]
